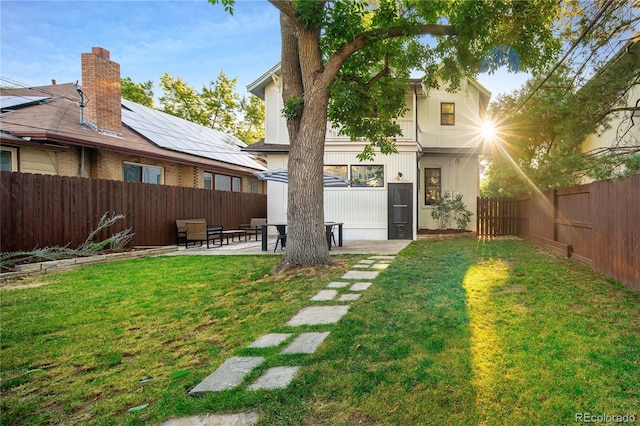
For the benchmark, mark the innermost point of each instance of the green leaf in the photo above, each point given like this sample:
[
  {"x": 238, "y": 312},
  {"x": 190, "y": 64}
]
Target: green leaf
[{"x": 138, "y": 408}]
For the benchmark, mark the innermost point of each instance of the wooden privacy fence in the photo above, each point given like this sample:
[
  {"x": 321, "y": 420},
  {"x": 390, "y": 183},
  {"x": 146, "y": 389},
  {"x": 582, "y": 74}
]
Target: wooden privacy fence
[
  {"x": 597, "y": 224},
  {"x": 497, "y": 216},
  {"x": 41, "y": 211}
]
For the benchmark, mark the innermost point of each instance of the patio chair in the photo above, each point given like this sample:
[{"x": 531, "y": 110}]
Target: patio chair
[
  {"x": 196, "y": 231},
  {"x": 255, "y": 227},
  {"x": 330, "y": 235},
  {"x": 181, "y": 229},
  {"x": 281, "y": 237}
]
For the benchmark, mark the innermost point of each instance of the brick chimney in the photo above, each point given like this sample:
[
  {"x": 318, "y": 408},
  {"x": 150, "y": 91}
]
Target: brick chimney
[{"x": 101, "y": 86}]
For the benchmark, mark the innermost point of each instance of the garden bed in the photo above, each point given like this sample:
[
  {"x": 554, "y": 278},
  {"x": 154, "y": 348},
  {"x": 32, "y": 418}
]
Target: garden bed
[
  {"x": 434, "y": 234},
  {"x": 29, "y": 269}
]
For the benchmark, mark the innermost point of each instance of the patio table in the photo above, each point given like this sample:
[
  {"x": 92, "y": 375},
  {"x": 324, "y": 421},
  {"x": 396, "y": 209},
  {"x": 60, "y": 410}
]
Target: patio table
[
  {"x": 233, "y": 233},
  {"x": 328, "y": 227}
]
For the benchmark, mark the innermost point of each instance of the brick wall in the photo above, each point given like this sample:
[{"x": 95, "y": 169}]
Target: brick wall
[
  {"x": 69, "y": 162},
  {"x": 110, "y": 166}
]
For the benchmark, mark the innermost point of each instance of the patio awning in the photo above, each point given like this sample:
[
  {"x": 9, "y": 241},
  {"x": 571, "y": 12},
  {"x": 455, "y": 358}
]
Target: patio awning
[{"x": 281, "y": 175}]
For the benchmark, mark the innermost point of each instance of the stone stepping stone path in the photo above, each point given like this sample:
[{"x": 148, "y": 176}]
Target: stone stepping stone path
[
  {"x": 306, "y": 343},
  {"x": 380, "y": 266},
  {"x": 360, "y": 275},
  {"x": 233, "y": 371},
  {"x": 360, "y": 286},
  {"x": 314, "y": 315},
  {"x": 349, "y": 297},
  {"x": 269, "y": 340},
  {"x": 228, "y": 419},
  {"x": 324, "y": 295},
  {"x": 228, "y": 375},
  {"x": 275, "y": 378}
]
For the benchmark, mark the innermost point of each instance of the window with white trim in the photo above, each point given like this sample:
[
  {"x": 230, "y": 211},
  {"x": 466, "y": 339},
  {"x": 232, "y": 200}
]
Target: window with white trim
[
  {"x": 447, "y": 114},
  {"x": 208, "y": 180},
  {"x": 338, "y": 170},
  {"x": 8, "y": 159}
]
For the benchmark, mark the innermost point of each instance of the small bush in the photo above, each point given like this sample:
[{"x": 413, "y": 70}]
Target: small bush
[{"x": 451, "y": 207}]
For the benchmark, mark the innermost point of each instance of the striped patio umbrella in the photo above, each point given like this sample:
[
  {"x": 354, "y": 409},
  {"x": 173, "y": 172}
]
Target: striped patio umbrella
[{"x": 280, "y": 175}]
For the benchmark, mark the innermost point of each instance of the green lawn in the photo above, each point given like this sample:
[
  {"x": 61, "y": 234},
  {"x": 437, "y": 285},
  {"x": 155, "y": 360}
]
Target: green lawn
[{"x": 453, "y": 332}]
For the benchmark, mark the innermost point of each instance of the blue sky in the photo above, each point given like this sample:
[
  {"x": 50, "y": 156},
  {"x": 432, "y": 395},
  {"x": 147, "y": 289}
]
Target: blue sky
[{"x": 43, "y": 40}]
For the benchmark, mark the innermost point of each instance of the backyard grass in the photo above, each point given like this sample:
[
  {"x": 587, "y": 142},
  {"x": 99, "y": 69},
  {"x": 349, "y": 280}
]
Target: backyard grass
[{"x": 453, "y": 332}]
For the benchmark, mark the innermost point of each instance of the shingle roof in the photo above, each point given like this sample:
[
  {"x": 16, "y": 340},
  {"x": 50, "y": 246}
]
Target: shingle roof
[{"x": 57, "y": 119}]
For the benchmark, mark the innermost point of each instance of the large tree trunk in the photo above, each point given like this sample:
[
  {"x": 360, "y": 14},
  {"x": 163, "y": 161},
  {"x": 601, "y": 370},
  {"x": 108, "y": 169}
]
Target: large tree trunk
[
  {"x": 302, "y": 68},
  {"x": 306, "y": 237}
]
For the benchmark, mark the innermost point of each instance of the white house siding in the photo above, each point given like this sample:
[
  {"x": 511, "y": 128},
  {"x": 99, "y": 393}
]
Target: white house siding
[
  {"x": 276, "y": 193},
  {"x": 459, "y": 176},
  {"x": 466, "y": 131},
  {"x": 362, "y": 210},
  {"x": 275, "y": 124}
]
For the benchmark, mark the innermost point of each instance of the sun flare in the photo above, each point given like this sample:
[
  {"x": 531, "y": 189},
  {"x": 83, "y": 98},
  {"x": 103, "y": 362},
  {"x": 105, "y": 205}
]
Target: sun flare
[{"x": 488, "y": 130}]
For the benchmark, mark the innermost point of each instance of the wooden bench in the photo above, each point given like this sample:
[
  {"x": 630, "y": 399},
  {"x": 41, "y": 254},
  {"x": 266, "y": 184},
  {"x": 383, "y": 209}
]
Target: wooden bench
[{"x": 255, "y": 227}]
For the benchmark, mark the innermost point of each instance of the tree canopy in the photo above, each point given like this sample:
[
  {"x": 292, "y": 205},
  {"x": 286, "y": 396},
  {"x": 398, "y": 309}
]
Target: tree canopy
[
  {"x": 217, "y": 106},
  {"x": 141, "y": 93},
  {"x": 545, "y": 123},
  {"x": 350, "y": 62}
]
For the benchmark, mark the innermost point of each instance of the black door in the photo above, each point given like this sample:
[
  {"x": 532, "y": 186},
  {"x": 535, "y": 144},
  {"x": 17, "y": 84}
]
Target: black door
[{"x": 400, "y": 209}]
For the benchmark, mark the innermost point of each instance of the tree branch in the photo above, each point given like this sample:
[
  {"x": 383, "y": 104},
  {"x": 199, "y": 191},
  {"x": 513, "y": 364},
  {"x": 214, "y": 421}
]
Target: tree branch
[
  {"x": 361, "y": 40},
  {"x": 286, "y": 7},
  {"x": 620, "y": 109},
  {"x": 381, "y": 74}
]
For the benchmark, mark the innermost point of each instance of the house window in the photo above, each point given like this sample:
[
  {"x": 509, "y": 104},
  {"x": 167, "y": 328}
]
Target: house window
[
  {"x": 432, "y": 185},
  {"x": 340, "y": 171},
  {"x": 228, "y": 183},
  {"x": 367, "y": 176},
  {"x": 142, "y": 173},
  {"x": 9, "y": 160},
  {"x": 223, "y": 183},
  {"x": 447, "y": 114},
  {"x": 208, "y": 180}
]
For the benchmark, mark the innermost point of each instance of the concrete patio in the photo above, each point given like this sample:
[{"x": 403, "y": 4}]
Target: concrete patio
[{"x": 381, "y": 247}]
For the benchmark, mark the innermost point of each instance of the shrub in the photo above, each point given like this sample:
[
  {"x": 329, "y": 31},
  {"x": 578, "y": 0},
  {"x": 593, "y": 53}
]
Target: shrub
[{"x": 451, "y": 207}]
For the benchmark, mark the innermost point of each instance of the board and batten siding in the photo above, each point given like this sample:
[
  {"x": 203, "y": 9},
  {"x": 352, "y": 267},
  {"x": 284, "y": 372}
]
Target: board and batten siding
[{"x": 364, "y": 210}]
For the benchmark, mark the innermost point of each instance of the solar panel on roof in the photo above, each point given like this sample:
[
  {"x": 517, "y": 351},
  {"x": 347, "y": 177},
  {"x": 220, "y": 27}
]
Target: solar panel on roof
[
  {"x": 177, "y": 134},
  {"x": 7, "y": 102}
]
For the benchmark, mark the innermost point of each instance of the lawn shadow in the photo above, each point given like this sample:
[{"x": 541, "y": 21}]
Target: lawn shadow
[{"x": 403, "y": 354}]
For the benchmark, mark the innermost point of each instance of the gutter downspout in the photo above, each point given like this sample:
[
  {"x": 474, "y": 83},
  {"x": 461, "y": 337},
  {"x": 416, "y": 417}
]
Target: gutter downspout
[
  {"x": 82, "y": 171},
  {"x": 417, "y": 207}
]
